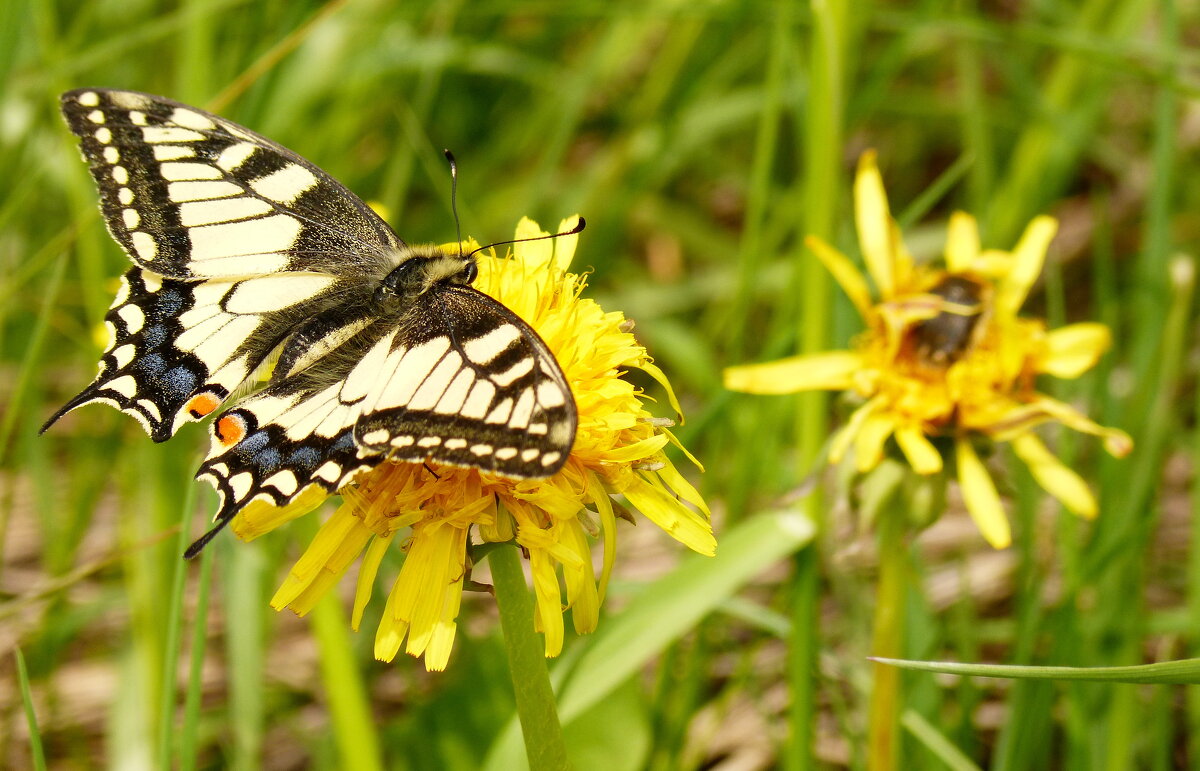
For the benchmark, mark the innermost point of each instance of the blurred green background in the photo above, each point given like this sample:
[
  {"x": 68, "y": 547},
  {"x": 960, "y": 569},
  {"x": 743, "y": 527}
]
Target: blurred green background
[{"x": 702, "y": 141}]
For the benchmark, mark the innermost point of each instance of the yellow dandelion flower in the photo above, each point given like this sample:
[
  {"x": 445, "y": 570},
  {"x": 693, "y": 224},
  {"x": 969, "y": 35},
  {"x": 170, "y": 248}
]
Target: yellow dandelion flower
[
  {"x": 945, "y": 354},
  {"x": 430, "y": 511}
]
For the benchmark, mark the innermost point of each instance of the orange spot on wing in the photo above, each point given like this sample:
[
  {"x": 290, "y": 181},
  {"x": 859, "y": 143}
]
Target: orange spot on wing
[
  {"x": 230, "y": 430},
  {"x": 202, "y": 404}
]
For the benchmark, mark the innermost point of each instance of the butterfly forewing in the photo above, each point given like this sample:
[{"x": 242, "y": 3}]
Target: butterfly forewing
[{"x": 190, "y": 195}]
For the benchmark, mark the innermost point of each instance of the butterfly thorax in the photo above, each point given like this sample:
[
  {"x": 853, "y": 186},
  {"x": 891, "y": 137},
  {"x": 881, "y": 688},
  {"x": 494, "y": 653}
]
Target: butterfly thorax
[{"x": 421, "y": 268}]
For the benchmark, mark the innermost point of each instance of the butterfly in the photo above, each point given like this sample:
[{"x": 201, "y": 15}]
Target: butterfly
[{"x": 246, "y": 254}]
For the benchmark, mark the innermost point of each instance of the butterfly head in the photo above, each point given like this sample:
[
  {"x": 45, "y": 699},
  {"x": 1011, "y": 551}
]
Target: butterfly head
[{"x": 422, "y": 268}]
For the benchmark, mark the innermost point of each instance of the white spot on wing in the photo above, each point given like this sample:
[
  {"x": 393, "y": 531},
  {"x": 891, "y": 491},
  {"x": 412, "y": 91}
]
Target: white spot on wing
[
  {"x": 145, "y": 246},
  {"x": 179, "y": 172},
  {"x": 523, "y": 410},
  {"x": 96, "y": 116},
  {"x": 273, "y": 293},
  {"x": 481, "y": 449},
  {"x": 378, "y": 436},
  {"x": 241, "y": 264},
  {"x": 240, "y": 485},
  {"x": 163, "y": 134},
  {"x": 506, "y": 453},
  {"x": 267, "y": 234},
  {"x": 194, "y": 213},
  {"x": 125, "y": 385},
  {"x": 133, "y": 317},
  {"x": 120, "y": 175},
  {"x": 478, "y": 401},
  {"x": 103, "y": 135},
  {"x": 285, "y": 185},
  {"x": 550, "y": 458},
  {"x": 330, "y": 472},
  {"x": 172, "y": 152},
  {"x": 436, "y": 384},
  {"x": 199, "y": 191},
  {"x": 150, "y": 408},
  {"x": 456, "y": 394},
  {"x": 218, "y": 347},
  {"x": 549, "y": 394},
  {"x": 403, "y": 378},
  {"x": 89, "y": 99},
  {"x": 235, "y": 155},
  {"x": 112, "y": 154},
  {"x": 483, "y": 349},
  {"x": 429, "y": 441},
  {"x": 455, "y": 444},
  {"x": 508, "y": 376},
  {"x": 283, "y": 481},
  {"x": 131, "y": 218},
  {"x": 191, "y": 119},
  {"x": 369, "y": 370},
  {"x": 529, "y": 454},
  {"x": 501, "y": 412},
  {"x": 125, "y": 196}
]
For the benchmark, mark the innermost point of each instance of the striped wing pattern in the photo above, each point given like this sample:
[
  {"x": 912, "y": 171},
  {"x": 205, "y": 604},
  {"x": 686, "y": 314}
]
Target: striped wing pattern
[
  {"x": 486, "y": 393},
  {"x": 245, "y": 251}
]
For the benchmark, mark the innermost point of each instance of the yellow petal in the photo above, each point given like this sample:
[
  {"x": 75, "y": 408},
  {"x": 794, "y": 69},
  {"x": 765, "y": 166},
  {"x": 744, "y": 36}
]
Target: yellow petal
[
  {"x": 868, "y": 444},
  {"x": 1074, "y": 349},
  {"x": 843, "y": 439},
  {"x": 849, "y": 277},
  {"x": 338, "y": 543},
  {"x": 1020, "y": 419},
  {"x": 1028, "y": 259},
  {"x": 564, "y": 246},
  {"x": 608, "y": 526},
  {"x": 680, "y": 522},
  {"x": 651, "y": 369},
  {"x": 983, "y": 502},
  {"x": 817, "y": 371},
  {"x": 962, "y": 242},
  {"x": 920, "y": 452},
  {"x": 261, "y": 516},
  {"x": 1055, "y": 477},
  {"x": 535, "y": 255},
  {"x": 874, "y": 222},
  {"x": 367, "y": 570}
]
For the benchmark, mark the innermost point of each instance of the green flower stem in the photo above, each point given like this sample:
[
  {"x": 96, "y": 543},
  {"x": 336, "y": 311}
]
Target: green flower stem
[
  {"x": 536, "y": 708},
  {"x": 883, "y": 739}
]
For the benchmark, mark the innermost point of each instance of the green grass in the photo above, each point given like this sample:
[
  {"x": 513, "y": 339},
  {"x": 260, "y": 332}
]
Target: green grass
[{"x": 702, "y": 142}]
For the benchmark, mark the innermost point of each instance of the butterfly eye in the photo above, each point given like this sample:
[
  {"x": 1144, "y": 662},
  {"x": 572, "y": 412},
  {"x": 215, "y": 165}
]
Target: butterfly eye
[{"x": 470, "y": 272}]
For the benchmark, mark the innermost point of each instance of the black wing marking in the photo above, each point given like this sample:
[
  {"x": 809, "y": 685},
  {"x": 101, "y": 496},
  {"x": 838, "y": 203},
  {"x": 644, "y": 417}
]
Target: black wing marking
[{"x": 188, "y": 194}]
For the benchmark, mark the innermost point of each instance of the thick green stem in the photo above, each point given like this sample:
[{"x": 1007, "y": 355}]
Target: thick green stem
[
  {"x": 536, "y": 707},
  {"x": 883, "y": 739}
]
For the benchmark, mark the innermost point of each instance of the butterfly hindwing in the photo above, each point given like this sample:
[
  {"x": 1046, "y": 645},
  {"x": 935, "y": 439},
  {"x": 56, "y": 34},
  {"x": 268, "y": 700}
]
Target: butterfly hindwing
[
  {"x": 190, "y": 195},
  {"x": 468, "y": 383},
  {"x": 179, "y": 348}
]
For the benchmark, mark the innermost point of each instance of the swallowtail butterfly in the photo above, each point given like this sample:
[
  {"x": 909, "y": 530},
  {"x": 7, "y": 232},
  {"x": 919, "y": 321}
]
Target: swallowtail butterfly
[{"x": 245, "y": 253}]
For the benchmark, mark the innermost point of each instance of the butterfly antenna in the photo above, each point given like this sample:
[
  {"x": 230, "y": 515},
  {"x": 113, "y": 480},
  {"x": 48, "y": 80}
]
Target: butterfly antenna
[
  {"x": 454, "y": 197},
  {"x": 579, "y": 226}
]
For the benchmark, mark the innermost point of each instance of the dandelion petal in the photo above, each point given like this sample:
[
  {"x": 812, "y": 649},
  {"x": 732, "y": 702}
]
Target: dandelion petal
[
  {"x": 979, "y": 493},
  {"x": 1074, "y": 349},
  {"x": 1055, "y": 477},
  {"x": 817, "y": 371}
]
